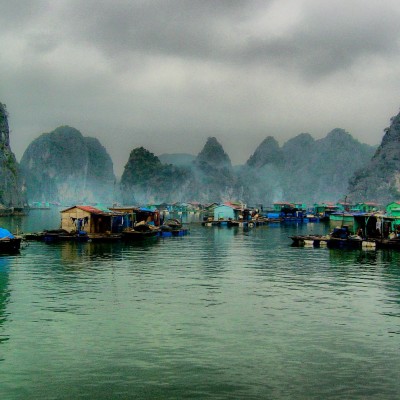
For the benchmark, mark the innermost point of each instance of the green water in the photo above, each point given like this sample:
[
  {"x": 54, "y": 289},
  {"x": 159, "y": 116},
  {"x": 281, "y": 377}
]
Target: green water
[{"x": 218, "y": 314}]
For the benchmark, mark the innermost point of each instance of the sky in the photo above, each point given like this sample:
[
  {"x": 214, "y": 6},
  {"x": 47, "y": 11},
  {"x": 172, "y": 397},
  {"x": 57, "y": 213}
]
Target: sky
[{"x": 166, "y": 75}]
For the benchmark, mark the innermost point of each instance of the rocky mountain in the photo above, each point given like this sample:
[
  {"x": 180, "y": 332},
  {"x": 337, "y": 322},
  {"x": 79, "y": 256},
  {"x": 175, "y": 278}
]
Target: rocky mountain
[
  {"x": 268, "y": 152},
  {"x": 379, "y": 180},
  {"x": 213, "y": 174},
  {"x": 304, "y": 169},
  {"x": 64, "y": 166},
  {"x": 260, "y": 179},
  {"x": 146, "y": 179},
  {"x": 11, "y": 193},
  {"x": 208, "y": 178}
]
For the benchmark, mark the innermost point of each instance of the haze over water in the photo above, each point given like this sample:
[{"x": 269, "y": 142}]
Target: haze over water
[{"x": 218, "y": 314}]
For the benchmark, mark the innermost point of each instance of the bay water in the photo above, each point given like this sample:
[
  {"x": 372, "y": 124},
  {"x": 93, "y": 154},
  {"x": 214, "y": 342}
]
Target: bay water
[{"x": 218, "y": 314}]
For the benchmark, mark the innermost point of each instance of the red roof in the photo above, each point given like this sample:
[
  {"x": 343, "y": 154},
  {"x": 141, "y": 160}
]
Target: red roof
[
  {"x": 233, "y": 205},
  {"x": 89, "y": 209}
]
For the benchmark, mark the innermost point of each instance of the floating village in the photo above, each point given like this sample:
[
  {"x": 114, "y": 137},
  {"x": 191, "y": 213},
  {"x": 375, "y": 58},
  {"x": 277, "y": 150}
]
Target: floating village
[{"x": 361, "y": 225}]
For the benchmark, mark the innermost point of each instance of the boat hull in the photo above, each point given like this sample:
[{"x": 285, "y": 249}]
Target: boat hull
[
  {"x": 135, "y": 236},
  {"x": 10, "y": 245}
]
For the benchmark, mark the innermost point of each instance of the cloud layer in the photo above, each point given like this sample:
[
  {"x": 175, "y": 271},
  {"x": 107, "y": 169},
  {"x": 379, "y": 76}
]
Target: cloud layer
[{"x": 167, "y": 74}]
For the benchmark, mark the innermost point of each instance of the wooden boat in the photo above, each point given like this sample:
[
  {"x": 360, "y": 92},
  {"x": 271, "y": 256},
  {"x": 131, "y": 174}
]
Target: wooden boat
[
  {"x": 172, "y": 227},
  {"x": 342, "y": 238},
  {"x": 36, "y": 236},
  {"x": 8, "y": 242},
  {"x": 388, "y": 243},
  {"x": 140, "y": 232},
  {"x": 58, "y": 235},
  {"x": 10, "y": 245},
  {"x": 350, "y": 242}
]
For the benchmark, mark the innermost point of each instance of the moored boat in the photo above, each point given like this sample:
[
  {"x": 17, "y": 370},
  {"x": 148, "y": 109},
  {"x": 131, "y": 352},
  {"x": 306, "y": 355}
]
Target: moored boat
[
  {"x": 342, "y": 238},
  {"x": 172, "y": 227},
  {"x": 140, "y": 232},
  {"x": 8, "y": 242}
]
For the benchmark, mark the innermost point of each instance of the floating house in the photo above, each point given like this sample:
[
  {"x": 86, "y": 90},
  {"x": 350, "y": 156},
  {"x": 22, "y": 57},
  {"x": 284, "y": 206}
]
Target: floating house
[
  {"x": 134, "y": 215},
  {"x": 300, "y": 206},
  {"x": 342, "y": 218},
  {"x": 365, "y": 207},
  {"x": 91, "y": 220},
  {"x": 371, "y": 225},
  {"x": 227, "y": 211},
  {"x": 393, "y": 209},
  {"x": 39, "y": 205},
  {"x": 324, "y": 210},
  {"x": 344, "y": 206},
  {"x": 280, "y": 206},
  {"x": 289, "y": 212}
]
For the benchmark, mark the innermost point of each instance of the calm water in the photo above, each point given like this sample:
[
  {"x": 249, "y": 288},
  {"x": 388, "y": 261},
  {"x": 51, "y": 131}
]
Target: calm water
[{"x": 219, "y": 314}]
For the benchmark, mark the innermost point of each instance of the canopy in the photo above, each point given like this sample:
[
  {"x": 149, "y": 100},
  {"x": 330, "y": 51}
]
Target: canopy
[{"x": 4, "y": 233}]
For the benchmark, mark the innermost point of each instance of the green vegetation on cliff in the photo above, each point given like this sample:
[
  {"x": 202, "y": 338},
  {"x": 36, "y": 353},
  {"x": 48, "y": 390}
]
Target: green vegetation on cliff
[{"x": 146, "y": 179}]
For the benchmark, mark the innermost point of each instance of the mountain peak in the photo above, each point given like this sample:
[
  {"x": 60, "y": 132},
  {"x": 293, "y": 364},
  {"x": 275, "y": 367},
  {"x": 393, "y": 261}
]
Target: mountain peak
[
  {"x": 268, "y": 152},
  {"x": 213, "y": 154}
]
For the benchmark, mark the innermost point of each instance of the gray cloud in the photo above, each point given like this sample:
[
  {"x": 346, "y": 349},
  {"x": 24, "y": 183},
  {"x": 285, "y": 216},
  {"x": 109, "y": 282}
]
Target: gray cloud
[{"x": 167, "y": 74}]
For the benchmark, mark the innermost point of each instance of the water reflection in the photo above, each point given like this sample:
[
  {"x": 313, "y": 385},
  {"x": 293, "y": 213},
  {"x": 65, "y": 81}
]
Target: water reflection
[{"x": 4, "y": 295}]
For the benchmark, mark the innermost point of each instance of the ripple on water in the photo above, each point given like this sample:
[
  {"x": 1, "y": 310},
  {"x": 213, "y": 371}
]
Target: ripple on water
[{"x": 217, "y": 314}]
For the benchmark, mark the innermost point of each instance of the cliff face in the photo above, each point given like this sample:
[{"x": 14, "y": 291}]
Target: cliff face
[
  {"x": 11, "y": 194},
  {"x": 213, "y": 174},
  {"x": 208, "y": 178},
  {"x": 379, "y": 180},
  {"x": 268, "y": 152},
  {"x": 304, "y": 169},
  {"x": 145, "y": 179},
  {"x": 63, "y": 166}
]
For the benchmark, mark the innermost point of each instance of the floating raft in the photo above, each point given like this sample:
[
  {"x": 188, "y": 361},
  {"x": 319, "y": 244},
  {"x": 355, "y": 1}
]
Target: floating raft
[{"x": 309, "y": 240}]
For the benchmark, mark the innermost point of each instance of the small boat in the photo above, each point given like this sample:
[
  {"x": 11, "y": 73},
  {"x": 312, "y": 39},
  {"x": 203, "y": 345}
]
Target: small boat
[
  {"x": 58, "y": 235},
  {"x": 393, "y": 243},
  {"x": 342, "y": 238},
  {"x": 8, "y": 242},
  {"x": 172, "y": 227},
  {"x": 35, "y": 236},
  {"x": 140, "y": 232}
]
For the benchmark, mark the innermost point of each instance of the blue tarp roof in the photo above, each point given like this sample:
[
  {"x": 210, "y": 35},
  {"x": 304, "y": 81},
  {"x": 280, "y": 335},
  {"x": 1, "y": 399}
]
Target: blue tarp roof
[{"x": 4, "y": 233}]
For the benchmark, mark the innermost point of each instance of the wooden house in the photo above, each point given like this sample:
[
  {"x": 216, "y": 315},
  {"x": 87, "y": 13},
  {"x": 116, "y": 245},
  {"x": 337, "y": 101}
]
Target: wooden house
[{"x": 91, "y": 220}]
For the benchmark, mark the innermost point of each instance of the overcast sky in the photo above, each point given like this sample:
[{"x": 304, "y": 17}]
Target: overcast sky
[{"x": 168, "y": 74}]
